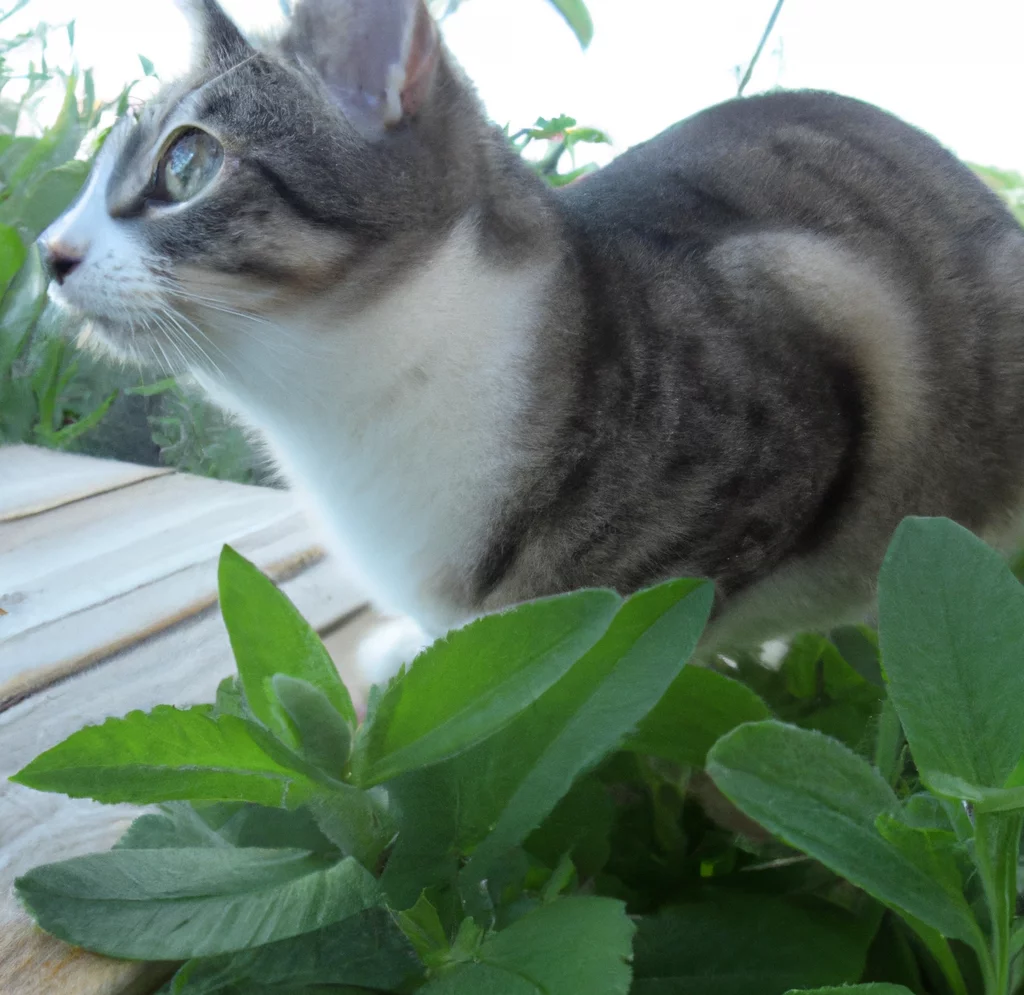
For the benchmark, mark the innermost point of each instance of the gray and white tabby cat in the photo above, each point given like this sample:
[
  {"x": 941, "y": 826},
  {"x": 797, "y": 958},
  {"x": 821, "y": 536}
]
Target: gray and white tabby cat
[{"x": 744, "y": 350}]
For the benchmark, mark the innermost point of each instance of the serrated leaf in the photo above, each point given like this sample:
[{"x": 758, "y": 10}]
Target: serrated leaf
[
  {"x": 952, "y": 637},
  {"x": 269, "y": 636},
  {"x": 366, "y": 950},
  {"x": 173, "y": 904},
  {"x": 698, "y": 709},
  {"x": 589, "y": 712},
  {"x": 738, "y": 944},
  {"x": 422, "y": 925},
  {"x": 505, "y": 787},
  {"x": 470, "y": 684},
  {"x": 166, "y": 755},
  {"x": 571, "y": 946},
  {"x": 816, "y": 795},
  {"x": 179, "y": 827}
]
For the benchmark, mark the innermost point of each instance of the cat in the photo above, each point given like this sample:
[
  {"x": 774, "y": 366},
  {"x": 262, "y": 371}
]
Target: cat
[{"x": 744, "y": 350}]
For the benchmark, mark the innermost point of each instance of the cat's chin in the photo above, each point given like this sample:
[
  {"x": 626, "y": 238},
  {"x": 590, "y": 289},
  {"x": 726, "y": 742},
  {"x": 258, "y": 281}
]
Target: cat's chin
[{"x": 121, "y": 343}]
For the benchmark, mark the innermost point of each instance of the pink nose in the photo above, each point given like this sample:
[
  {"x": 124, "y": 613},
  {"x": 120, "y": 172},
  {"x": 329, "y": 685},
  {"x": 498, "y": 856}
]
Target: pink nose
[{"x": 60, "y": 260}]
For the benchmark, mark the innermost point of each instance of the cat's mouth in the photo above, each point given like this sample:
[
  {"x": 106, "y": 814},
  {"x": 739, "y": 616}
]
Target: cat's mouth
[{"x": 136, "y": 332}]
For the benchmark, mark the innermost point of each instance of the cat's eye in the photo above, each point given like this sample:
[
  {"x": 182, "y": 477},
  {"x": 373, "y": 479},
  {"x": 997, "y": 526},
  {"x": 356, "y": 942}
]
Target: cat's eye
[{"x": 187, "y": 168}]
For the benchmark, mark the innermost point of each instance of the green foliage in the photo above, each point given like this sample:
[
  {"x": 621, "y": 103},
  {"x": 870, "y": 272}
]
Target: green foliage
[
  {"x": 47, "y": 395},
  {"x": 574, "y": 13},
  {"x": 538, "y": 804},
  {"x": 560, "y": 135},
  {"x": 135, "y": 903},
  {"x": 1008, "y": 183},
  {"x": 51, "y": 392}
]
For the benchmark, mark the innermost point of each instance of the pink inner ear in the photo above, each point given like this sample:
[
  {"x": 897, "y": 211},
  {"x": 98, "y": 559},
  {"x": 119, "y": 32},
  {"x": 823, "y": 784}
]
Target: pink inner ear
[{"x": 420, "y": 61}]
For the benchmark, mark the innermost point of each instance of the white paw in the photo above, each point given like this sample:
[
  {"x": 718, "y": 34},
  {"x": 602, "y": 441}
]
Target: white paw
[{"x": 382, "y": 653}]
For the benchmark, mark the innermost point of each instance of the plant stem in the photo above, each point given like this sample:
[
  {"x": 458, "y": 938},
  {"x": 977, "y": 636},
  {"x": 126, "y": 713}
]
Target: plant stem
[
  {"x": 996, "y": 845},
  {"x": 760, "y": 48}
]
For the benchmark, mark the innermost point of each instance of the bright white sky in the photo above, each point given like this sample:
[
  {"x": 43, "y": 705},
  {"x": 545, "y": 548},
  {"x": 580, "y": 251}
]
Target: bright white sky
[{"x": 951, "y": 67}]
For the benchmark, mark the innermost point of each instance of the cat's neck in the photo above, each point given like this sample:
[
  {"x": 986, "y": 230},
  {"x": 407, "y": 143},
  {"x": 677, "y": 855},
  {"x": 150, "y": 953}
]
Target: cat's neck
[{"x": 403, "y": 427}]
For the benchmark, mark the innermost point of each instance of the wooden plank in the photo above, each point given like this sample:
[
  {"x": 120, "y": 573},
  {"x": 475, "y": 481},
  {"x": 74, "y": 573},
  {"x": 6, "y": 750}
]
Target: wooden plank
[
  {"x": 36, "y": 480},
  {"x": 32, "y": 963},
  {"x": 87, "y": 579},
  {"x": 181, "y": 667}
]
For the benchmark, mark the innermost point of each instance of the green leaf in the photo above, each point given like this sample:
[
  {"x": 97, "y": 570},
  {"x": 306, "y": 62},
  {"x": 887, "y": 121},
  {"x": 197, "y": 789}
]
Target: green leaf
[
  {"x": 12, "y": 256},
  {"x": 269, "y": 636},
  {"x": 528, "y": 768},
  {"x": 366, "y": 950},
  {"x": 952, "y": 637},
  {"x": 20, "y": 310},
  {"x": 422, "y": 925},
  {"x": 738, "y": 944},
  {"x": 580, "y": 826},
  {"x": 815, "y": 794},
  {"x": 48, "y": 198},
  {"x": 468, "y": 685},
  {"x": 321, "y": 735},
  {"x": 153, "y": 389},
  {"x": 179, "y": 827},
  {"x": 858, "y": 645},
  {"x": 507, "y": 785},
  {"x": 173, "y": 904},
  {"x": 698, "y": 709},
  {"x": 354, "y": 820},
  {"x": 855, "y": 990},
  {"x": 578, "y": 18},
  {"x": 571, "y": 946},
  {"x": 250, "y": 825},
  {"x": 934, "y": 851},
  {"x": 165, "y": 755},
  {"x": 147, "y": 66},
  {"x": 69, "y": 433}
]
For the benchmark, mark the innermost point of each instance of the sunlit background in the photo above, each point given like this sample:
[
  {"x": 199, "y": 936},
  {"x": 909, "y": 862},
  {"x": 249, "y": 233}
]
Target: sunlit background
[{"x": 950, "y": 67}]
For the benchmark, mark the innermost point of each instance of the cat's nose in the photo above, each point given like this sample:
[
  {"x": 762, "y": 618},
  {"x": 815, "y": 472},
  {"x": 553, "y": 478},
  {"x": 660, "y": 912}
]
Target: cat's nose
[{"x": 60, "y": 260}]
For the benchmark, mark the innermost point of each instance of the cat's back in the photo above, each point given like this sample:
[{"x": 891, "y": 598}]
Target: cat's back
[{"x": 810, "y": 160}]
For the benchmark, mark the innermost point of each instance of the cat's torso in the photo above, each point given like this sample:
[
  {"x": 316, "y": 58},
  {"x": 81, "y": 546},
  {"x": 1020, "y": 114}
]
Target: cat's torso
[{"x": 745, "y": 351}]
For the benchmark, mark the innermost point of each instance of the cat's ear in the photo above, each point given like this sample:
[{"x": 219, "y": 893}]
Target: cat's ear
[
  {"x": 216, "y": 40},
  {"x": 378, "y": 58}
]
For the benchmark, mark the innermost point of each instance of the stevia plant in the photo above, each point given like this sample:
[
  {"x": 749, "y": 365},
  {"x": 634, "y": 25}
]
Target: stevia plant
[{"x": 549, "y": 802}]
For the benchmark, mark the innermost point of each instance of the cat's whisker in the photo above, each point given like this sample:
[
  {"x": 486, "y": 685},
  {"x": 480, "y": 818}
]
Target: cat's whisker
[{"x": 182, "y": 337}]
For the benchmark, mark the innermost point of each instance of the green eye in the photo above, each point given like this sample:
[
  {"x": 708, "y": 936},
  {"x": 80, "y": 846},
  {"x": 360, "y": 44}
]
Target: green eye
[{"x": 188, "y": 167}]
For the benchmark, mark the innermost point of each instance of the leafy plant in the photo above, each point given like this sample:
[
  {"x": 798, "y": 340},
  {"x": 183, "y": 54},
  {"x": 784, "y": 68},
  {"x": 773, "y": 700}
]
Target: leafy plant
[
  {"x": 561, "y": 135},
  {"x": 573, "y": 12},
  {"x": 47, "y": 394},
  {"x": 541, "y": 804}
]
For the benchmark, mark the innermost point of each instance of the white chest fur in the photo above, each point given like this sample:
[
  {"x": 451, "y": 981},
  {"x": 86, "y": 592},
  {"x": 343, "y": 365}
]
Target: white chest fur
[{"x": 399, "y": 426}]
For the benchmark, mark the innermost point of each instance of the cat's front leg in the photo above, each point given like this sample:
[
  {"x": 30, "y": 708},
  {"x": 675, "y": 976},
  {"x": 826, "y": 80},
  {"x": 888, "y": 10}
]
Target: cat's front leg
[{"x": 387, "y": 648}]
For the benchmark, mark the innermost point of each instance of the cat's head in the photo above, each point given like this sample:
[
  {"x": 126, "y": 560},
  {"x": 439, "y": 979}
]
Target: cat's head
[{"x": 319, "y": 164}]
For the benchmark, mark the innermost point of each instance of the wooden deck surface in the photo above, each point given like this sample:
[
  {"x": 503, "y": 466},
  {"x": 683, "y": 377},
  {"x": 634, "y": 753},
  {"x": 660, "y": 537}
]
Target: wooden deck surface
[{"x": 108, "y": 582}]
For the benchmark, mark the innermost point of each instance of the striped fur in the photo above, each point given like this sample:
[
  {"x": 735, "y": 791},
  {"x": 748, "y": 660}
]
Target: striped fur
[{"x": 744, "y": 350}]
